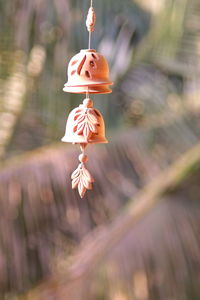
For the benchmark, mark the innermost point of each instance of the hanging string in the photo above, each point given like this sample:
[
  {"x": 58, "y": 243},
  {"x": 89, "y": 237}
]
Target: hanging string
[
  {"x": 90, "y": 23},
  {"x": 83, "y": 146},
  {"x": 90, "y": 33},
  {"x": 87, "y": 92},
  {"x": 89, "y": 41}
]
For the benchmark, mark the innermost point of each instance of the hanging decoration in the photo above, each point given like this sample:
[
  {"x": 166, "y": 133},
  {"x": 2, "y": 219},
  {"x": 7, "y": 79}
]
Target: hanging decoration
[{"x": 88, "y": 73}]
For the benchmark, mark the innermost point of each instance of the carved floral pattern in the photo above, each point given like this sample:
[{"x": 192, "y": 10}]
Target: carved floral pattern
[
  {"x": 82, "y": 179},
  {"x": 86, "y": 122}
]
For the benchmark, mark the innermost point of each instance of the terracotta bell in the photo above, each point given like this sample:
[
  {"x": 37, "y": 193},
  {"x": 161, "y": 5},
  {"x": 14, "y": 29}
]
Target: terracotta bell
[
  {"x": 88, "y": 71},
  {"x": 85, "y": 125}
]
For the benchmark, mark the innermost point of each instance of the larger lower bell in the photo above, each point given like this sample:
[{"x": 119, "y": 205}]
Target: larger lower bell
[
  {"x": 88, "y": 71},
  {"x": 85, "y": 125}
]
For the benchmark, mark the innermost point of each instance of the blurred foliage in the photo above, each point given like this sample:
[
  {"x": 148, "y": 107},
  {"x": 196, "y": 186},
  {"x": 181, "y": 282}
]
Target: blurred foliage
[
  {"x": 59, "y": 28},
  {"x": 155, "y": 37}
]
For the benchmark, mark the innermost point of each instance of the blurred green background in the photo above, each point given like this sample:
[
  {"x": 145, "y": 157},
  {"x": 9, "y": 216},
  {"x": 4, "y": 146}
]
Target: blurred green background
[{"x": 152, "y": 121}]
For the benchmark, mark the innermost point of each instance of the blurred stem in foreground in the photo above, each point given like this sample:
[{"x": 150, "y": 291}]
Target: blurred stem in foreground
[
  {"x": 14, "y": 91},
  {"x": 97, "y": 245}
]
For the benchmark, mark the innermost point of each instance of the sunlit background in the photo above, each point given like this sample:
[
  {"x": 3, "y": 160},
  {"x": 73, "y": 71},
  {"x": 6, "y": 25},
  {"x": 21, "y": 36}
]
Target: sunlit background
[{"x": 123, "y": 241}]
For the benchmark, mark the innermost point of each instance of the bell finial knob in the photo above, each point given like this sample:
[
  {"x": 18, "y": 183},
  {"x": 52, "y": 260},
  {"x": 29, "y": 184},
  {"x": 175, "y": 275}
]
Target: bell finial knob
[{"x": 91, "y": 19}]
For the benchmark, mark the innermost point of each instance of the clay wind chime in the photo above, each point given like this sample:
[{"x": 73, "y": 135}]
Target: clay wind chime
[{"x": 88, "y": 73}]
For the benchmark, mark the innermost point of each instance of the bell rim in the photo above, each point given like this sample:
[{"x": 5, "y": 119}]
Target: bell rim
[
  {"x": 70, "y": 90},
  {"x": 103, "y": 141},
  {"x": 99, "y": 83}
]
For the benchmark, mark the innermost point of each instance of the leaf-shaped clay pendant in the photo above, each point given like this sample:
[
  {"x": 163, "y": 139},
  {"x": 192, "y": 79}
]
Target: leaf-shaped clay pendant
[
  {"x": 76, "y": 173},
  {"x": 81, "y": 189},
  {"x": 75, "y": 183},
  {"x": 82, "y": 179},
  {"x": 87, "y": 174}
]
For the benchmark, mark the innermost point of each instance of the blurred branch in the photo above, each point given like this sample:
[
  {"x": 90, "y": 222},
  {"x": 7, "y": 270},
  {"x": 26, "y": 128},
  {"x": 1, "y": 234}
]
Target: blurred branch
[
  {"x": 96, "y": 246},
  {"x": 14, "y": 90},
  {"x": 12, "y": 101}
]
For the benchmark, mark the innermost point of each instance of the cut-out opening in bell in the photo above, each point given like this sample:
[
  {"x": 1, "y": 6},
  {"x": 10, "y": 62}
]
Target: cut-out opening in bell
[
  {"x": 86, "y": 70},
  {"x": 85, "y": 126}
]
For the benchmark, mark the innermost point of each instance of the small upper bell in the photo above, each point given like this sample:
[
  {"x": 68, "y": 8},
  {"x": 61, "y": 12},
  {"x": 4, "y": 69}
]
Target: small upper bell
[
  {"x": 85, "y": 125},
  {"x": 88, "y": 71}
]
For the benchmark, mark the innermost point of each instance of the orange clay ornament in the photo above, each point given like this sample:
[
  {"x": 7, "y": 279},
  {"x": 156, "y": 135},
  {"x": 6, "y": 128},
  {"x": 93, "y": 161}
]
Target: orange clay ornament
[
  {"x": 88, "y": 73},
  {"x": 85, "y": 125}
]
